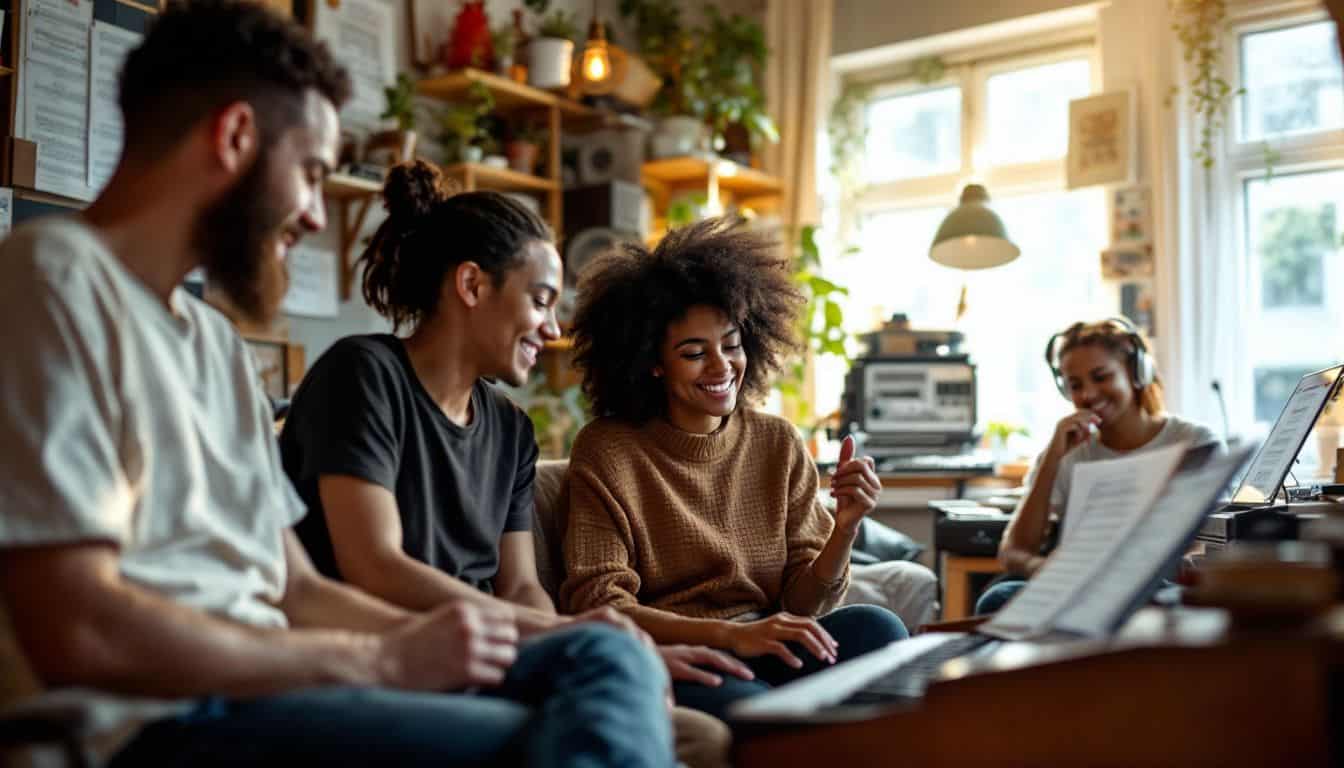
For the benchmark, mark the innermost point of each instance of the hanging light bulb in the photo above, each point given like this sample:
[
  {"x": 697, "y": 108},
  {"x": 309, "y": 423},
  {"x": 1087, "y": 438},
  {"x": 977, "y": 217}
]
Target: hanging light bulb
[{"x": 595, "y": 69}]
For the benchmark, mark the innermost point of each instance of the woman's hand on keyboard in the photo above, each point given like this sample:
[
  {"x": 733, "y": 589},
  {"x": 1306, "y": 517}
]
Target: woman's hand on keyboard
[{"x": 769, "y": 637}]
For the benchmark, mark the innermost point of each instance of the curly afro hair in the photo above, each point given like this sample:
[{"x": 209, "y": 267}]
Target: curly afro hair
[{"x": 628, "y": 298}]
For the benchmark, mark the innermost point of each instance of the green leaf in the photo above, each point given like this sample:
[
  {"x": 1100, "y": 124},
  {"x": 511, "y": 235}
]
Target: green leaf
[{"x": 834, "y": 315}]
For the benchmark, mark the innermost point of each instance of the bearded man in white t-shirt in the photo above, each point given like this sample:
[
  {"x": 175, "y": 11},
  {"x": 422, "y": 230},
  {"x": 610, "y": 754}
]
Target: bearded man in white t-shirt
[{"x": 146, "y": 562}]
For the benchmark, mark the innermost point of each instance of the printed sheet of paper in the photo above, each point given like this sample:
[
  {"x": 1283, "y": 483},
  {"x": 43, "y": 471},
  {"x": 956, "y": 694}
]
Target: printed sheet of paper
[
  {"x": 56, "y": 101},
  {"x": 1117, "y": 495},
  {"x": 6, "y": 211},
  {"x": 361, "y": 36},
  {"x": 312, "y": 283},
  {"x": 1175, "y": 517},
  {"x": 109, "y": 48}
]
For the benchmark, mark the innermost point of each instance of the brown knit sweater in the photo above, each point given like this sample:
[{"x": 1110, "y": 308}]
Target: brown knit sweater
[{"x": 705, "y": 526}]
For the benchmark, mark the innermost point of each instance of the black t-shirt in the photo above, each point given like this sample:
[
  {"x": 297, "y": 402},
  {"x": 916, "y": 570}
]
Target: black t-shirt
[{"x": 362, "y": 411}]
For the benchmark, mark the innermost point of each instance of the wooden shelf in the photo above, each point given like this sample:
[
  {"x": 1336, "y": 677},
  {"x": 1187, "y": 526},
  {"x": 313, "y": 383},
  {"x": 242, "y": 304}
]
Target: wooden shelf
[
  {"x": 698, "y": 170},
  {"x": 6, "y": 70},
  {"x": 341, "y": 186},
  {"x": 479, "y": 176},
  {"x": 508, "y": 94},
  {"x": 354, "y": 197}
]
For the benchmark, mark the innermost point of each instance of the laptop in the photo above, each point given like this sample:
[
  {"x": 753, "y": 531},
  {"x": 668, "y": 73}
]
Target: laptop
[
  {"x": 1277, "y": 454},
  {"x": 1088, "y": 589}
]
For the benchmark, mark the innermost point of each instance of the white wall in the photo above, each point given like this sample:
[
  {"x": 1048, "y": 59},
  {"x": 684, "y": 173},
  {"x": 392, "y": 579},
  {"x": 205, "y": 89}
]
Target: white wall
[{"x": 863, "y": 24}]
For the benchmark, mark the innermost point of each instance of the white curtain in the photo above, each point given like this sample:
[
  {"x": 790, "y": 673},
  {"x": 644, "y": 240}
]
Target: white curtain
[{"x": 798, "y": 33}]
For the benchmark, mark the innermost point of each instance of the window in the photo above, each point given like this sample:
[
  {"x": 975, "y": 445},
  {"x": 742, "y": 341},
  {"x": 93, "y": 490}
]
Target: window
[
  {"x": 1004, "y": 124},
  {"x": 1281, "y": 184}
]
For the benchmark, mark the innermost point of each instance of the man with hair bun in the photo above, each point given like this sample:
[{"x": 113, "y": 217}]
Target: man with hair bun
[
  {"x": 146, "y": 562},
  {"x": 419, "y": 472}
]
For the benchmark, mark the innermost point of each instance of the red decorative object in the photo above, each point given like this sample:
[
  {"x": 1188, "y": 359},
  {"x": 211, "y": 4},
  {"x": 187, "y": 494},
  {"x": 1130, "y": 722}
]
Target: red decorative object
[{"x": 470, "y": 44}]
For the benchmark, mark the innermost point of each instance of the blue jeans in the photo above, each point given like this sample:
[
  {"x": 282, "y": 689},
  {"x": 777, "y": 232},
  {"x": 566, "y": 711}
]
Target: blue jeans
[
  {"x": 584, "y": 696},
  {"x": 857, "y": 629},
  {"x": 997, "y": 596}
]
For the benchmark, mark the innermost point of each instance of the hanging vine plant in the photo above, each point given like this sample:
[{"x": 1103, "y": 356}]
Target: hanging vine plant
[
  {"x": 848, "y": 132},
  {"x": 1199, "y": 26}
]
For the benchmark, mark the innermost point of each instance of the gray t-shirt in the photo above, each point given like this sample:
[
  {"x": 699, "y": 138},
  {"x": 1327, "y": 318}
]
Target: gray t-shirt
[
  {"x": 1175, "y": 430},
  {"x": 128, "y": 423}
]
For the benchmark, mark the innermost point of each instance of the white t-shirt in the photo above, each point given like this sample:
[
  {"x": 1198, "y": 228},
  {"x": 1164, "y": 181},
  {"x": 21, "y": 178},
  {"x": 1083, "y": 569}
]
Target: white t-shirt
[
  {"x": 128, "y": 423},
  {"x": 1174, "y": 430}
]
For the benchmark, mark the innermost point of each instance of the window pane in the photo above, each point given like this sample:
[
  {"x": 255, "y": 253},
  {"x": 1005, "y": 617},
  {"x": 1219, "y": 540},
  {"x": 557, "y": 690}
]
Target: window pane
[
  {"x": 1292, "y": 80},
  {"x": 1056, "y": 281},
  {"x": 1029, "y": 111},
  {"x": 914, "y": 135},
  {"x": 1292, "y": 238}
]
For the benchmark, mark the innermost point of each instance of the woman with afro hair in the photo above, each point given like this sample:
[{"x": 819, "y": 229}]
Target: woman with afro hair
[{"x": 690, "y": 511}]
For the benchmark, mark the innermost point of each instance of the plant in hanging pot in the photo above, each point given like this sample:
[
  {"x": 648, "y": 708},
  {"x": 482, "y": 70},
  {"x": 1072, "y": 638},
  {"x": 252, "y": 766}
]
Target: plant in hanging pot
[
  {"x": 465, "y": 127},
  {"x": 523, "y": 147},
  {"x": 551, "y": 53},
  {"x": 395, "y": 146}
]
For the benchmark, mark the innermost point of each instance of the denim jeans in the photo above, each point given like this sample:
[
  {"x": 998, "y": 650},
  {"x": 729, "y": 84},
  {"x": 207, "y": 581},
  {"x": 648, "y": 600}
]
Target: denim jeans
[
  {"x": 585, "y": 696},
  {"x": 857, "y": 629},
  {"x": 997, "y": 596}
]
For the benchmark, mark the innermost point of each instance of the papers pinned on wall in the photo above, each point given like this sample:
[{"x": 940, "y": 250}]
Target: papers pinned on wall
[
  {"x": 56, "y": 93},
  {"x": 109, "y": 48},
  {"x": 312, "y": 283}
]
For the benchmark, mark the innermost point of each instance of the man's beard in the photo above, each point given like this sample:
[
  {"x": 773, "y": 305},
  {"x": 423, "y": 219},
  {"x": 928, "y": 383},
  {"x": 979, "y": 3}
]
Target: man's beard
[{"x": 235, "y": 237}]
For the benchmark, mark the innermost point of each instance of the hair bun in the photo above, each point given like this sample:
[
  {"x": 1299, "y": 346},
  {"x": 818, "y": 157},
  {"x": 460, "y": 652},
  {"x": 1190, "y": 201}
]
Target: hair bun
[{"x": 412, "y": 189}]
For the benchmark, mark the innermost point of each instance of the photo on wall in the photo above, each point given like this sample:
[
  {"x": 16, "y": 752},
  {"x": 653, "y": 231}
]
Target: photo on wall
[{"x": 1137, "y": 304}]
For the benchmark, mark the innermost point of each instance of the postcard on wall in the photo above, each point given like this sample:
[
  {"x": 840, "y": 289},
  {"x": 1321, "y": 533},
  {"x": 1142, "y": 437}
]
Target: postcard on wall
[
  {"x": 1101, "y": 140},
  {"x": 1130, "y": 215},
  {"x": 1124, "y": 261}
]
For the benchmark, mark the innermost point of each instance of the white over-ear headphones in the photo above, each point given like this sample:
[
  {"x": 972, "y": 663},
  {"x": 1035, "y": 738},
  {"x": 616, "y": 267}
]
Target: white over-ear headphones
[{"x": 1141, "y": 366}]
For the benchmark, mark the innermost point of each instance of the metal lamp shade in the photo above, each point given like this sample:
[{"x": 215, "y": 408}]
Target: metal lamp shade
[{"x": 972, "y": 236}]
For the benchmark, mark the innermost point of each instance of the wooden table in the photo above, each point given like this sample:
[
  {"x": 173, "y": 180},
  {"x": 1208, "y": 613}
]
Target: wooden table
[
  {"x": 1180, "y": 698},
  {"x": 958, "y": 596}
]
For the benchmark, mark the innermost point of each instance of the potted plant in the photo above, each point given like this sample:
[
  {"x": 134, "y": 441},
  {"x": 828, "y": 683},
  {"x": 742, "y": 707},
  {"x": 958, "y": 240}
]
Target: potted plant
[
  {"x": 399, "y": 143},
  {"x": 723, "y": 82},
  {"x": 504, "y": 41},
  {"x": 667, "y": 47},
  {"x": 551, "y": 52},
  {"x": 465, "y": 126},
  {"x": 524, "y": 147}
]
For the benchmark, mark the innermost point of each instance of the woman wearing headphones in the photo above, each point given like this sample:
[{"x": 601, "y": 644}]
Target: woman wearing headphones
[{"x": 1106, "y": 371}]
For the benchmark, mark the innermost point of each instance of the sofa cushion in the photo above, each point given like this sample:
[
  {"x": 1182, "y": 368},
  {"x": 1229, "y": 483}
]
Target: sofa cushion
[{"x": 551, "y": 493}]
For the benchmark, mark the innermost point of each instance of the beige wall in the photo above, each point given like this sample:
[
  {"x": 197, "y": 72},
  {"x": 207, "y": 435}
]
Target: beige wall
[{"x": 863, "y": 24}]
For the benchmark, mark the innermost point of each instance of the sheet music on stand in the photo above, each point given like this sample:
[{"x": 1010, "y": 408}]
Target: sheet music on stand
[
  {"x": 1125, "y": 578},
  {"x": 1117, "y": 495}
]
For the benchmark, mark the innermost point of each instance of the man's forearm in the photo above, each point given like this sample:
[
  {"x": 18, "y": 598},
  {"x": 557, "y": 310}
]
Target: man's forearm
[
  {"x": 130, "y": 640},
  {"x": 327, "y": 604},
  {"x": 531, "y": 596}
]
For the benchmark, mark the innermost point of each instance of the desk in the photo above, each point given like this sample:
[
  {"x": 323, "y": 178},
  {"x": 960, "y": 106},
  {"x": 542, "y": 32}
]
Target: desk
[
  {"x": 1216, "y": 699},
  {"x": 958, "y": 595}
]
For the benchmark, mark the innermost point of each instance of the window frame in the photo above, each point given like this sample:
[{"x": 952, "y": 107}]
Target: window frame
[
  {"x": 1237, "y": 164},
  {"x": 972, "y": 75}
]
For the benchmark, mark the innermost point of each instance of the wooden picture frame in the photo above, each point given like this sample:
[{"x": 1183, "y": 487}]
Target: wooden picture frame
[
  {"x": 279, "y": 363},
  {"x": 1101, "y": 140}
]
